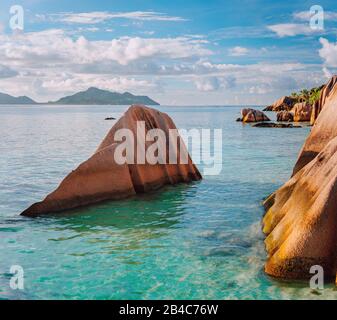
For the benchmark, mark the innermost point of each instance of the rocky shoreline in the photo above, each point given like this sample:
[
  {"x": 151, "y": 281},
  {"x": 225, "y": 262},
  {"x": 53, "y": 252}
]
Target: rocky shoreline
[{"x": 304, "y": 106}]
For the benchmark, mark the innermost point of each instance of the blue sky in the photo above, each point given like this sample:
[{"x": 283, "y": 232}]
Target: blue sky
[{"x": 177, "y": 52}]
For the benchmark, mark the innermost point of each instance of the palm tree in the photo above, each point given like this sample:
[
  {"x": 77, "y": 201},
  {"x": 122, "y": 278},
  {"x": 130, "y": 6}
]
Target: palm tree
[{"x": 304, "y": 95}]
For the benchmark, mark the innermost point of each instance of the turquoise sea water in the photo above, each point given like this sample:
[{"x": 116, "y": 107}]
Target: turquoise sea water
[{"x": 198, "y": 241}]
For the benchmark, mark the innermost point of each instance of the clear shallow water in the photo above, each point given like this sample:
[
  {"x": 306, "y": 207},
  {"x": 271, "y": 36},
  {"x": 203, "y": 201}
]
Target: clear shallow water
[{"x": 198, "y": 241}]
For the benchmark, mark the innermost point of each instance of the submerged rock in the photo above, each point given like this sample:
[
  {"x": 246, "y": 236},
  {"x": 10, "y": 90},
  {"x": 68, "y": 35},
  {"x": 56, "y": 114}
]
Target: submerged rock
[
  {"x": 301, "y": 219},
  {"x": 101, "y": 178},
  {"x": 274, "y": 125},
  {"x": 252, "y": 115},
  {"x": 284, "y": 103}
]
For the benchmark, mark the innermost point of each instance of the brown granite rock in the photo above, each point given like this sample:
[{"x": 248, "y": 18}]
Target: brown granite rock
[
  {"x": 301, "y": 220},
  {"x": 324, "y": 129},
  {"x": 325, "y": 93},
  {"x": 284, "y": 103},
  {"x": 285, "y": 116},
  {"x": 101, "y": 178},
  {"x": 301, "y": 112},
  {"x": 252, "y": 115}
]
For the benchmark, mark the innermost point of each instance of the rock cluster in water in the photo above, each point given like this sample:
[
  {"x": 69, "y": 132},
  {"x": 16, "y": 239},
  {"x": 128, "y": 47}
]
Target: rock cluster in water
[
  {"x": 301, "y": 219},
  {"x": 101, "y": 178},
  {"x": 252, "y": 115}
]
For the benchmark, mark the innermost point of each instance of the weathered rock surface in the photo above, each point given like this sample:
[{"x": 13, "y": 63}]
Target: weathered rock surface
[
  {"x": 285, "y": 116},
  {"x": 101, "y": 178},
  {"x": 284, "y": 103},
  {"x": 301, "y": 112},
  {"x": 324, "y": 130},
  {"x": 325, "y": 93},
  {"x": 252, "y": 115},
  {"x": 301, "y": 219}
]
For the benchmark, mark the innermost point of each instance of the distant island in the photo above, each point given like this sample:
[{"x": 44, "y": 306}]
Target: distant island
[
  {"x": 92, "y": 96},
  {"x": 8, "y": 99}
]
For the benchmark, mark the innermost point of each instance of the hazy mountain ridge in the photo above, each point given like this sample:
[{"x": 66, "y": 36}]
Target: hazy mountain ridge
[
  {"x": 8, "y": 99},
  {"x": 101, "y": 97},
  {"x": 90, "y": 96}
]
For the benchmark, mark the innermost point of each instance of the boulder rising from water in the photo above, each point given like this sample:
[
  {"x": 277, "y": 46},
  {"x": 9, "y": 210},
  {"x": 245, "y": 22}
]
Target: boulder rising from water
[
  {"x": 100, "y": 178},
  {"x": 252, "y": 115},
  {"x": 301, "y": 219}
]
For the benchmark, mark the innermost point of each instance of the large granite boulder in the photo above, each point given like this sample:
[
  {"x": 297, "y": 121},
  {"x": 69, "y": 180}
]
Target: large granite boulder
[
  {"x": 102, "y": 178},
  {"x": 301, "y": 112},
  {"x": 252, "y": 115},
  {"x": 301, "y": 221},
  {"x": 284, "y": 103}
]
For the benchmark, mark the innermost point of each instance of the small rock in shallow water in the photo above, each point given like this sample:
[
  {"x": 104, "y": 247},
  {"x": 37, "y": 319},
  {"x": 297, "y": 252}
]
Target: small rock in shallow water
[
  {"x": 252, "y": 115},
  {"x": 274, "y": 125}
]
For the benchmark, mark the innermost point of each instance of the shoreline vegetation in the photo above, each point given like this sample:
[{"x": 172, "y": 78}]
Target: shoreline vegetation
[
  {"x": 91, "y": 96},
  {"x": 300, "y": 220}
]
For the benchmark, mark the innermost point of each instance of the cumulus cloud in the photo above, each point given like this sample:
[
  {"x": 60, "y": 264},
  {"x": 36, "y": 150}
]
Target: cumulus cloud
[
  {"x": 207, "y": 84},
  {"x": 328, "y": 52},
  {"x": 52, "y": 63},
  {"x": 291, "y": 29},
  {"x": 55, "y": 46},
  {"x": 70, "y": 83},
  {"x": 214, "y": 83},
  {"x": 238, "y": 51},
  {"x": 101, "y": 16}
]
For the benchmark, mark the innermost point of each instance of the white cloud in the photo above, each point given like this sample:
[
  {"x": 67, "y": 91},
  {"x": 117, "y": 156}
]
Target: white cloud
[
  {"x": 238, "y": 51},
  {"x": 55, "y": 47},
  {"x": 207, "y": 84},
  {"x": 51, "y": 63},
  {"x": 327, "y": 72},
  {"x": 73, "y": 83},
  {"x": 291, "y": 29},
  {"x": 101, "y": 16},
  {"x": 328, "y": 52}
]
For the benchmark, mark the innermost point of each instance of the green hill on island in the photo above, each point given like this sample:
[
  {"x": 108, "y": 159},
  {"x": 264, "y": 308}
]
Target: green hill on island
[
  {"x": 92, "y": 96},
  {"x": 97, "y": 96},
  {"x": 8, "y": 99}
]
